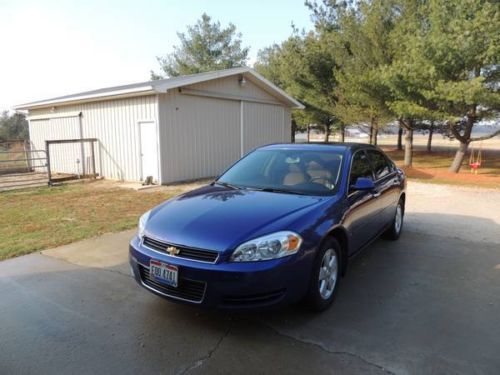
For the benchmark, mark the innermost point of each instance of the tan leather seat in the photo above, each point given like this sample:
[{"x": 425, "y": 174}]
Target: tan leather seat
[
  {"x": 317, "y": 172},
  {"x": 294, "y": 176}
]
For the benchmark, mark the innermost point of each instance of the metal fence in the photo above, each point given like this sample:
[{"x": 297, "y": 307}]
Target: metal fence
[
  {"x": 62, "y": 160},
  {"x": 69, "y": 159},
  {"x": 20, "y": 166}
]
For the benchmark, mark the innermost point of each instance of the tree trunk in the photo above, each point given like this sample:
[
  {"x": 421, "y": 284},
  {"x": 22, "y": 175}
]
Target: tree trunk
[
  {"x": 373, "y": 131},
  {"x": 308, "y": 133},
  {"x": 293, "y": 130},
  {"x": 400, "y": 138},
  {"x": 429, "y": 140},
  {"x": 342, "y": 133},
  {"x": 408, "y": 148},
  {"x": 459, "y": 157},
  {"x": 464, "y": 139},
  {"x": 327, "y": 133}
]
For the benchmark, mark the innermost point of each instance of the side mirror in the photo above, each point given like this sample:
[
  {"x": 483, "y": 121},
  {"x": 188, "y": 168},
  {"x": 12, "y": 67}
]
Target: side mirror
[{"x": 363, "y": 183}]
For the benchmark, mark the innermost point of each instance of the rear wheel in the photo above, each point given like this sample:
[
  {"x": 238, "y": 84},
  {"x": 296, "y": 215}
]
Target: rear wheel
[
  {"x": 325, "y": 276},
  {"x": 394, "y": 231}
]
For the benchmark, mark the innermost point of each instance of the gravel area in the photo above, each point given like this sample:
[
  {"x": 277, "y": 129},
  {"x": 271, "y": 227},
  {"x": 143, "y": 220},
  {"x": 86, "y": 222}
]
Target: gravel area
[{"x": 467, "y": 213}]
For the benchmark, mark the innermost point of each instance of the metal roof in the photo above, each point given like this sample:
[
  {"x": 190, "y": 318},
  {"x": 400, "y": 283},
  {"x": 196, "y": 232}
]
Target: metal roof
[{"x": 162, "y": 86}]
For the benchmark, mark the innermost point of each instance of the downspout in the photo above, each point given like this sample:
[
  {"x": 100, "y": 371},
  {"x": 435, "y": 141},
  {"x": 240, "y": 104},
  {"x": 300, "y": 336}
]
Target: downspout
[{"x": 82, "y": 145}]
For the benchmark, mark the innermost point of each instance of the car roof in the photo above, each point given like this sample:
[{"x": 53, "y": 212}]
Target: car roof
[{"x": 332, "y": 146}]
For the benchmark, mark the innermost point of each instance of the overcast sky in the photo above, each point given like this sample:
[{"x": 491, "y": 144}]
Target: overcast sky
[{"x": 51, "y": 48}]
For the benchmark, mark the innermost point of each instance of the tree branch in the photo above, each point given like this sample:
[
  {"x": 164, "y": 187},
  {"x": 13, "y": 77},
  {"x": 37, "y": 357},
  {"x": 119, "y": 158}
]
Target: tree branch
[
  {"x": 406, "y": 124},
  {"x": 486, "y": 136},
  {"x": 456, "y": 133}
]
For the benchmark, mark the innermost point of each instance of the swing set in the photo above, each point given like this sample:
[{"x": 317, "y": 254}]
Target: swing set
[{"x": 475, "y": 160}]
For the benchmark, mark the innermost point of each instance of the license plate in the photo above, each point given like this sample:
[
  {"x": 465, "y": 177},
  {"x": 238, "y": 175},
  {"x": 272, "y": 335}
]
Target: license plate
[{"x": 164, "y": 272}]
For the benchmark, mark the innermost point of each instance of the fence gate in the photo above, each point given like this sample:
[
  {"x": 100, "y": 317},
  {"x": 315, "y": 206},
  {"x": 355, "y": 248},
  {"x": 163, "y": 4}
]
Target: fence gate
[
  {"x": 69, "y": 159},
  {"x": 21, "y": 166}
]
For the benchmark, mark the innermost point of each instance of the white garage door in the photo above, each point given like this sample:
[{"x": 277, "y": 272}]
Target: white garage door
[
  {"x": 204, "y": 139},
  {"x": 262, "y": 124},
  {"x": 64, "y": 158}
]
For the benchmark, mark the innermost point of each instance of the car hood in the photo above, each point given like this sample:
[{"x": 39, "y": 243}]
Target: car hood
[{"x": 219, "y": 218}]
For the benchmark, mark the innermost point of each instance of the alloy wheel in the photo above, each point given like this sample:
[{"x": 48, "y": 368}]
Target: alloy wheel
[
  {"x": 328, "y": 274},
  {"x": 398, "y": 220}
]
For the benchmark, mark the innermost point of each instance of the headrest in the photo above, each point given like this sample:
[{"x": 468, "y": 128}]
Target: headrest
[{"x": 314, "y": 166}]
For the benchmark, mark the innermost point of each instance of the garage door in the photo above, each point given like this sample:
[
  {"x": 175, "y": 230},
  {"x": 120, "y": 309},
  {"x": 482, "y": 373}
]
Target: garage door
[
  {"x": 262, "y": 124},
  {"x": 205, "y": 139},
  {"x": 64, "y": 158}
]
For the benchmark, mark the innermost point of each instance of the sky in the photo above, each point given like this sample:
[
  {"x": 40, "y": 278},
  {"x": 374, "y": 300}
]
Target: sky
[{"x": 51, "y": 48}]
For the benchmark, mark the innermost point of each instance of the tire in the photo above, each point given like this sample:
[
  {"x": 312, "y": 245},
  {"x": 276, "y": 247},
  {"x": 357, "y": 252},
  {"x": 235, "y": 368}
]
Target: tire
[
  {"x": 396, "y": 227},
  {"x": 322, "y": 291}
]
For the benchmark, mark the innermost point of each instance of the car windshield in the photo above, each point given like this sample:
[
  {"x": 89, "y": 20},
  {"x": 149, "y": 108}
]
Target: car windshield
[{"x": 288, "y": 171}]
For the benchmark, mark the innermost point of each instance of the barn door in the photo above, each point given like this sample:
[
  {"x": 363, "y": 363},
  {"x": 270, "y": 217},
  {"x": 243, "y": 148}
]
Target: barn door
[{"x": 149, "y": 150}]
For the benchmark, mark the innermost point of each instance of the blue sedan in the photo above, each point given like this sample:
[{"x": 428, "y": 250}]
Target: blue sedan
[{"x": 277, "y": 227}]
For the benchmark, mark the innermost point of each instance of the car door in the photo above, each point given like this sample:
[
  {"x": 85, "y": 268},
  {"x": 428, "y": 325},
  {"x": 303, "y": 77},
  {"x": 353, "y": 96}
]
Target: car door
[
  {"x": 386, "y": 190},
  {"x": 362, "y": 205}
]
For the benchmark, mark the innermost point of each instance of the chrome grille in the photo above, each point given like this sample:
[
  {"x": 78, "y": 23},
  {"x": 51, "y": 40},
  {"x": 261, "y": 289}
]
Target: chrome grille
[{"x": 208, "y": 256}]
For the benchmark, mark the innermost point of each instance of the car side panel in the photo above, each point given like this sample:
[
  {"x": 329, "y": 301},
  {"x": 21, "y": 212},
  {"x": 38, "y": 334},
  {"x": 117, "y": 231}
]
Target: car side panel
[
  {"x": 387, "y": 190},
  {"x": 360, "y": 219}
]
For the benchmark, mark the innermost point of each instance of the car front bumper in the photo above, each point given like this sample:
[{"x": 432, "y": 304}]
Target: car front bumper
[{"x": 226, "y": 285}]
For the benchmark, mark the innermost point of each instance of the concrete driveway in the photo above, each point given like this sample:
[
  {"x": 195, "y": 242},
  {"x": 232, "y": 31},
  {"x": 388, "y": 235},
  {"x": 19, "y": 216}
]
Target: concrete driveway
[{"x": 429, "y": 303}]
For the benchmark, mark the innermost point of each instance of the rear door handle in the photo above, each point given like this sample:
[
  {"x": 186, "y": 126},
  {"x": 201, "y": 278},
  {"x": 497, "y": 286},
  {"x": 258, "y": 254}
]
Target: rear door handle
[{"x": 376, "y": 194}]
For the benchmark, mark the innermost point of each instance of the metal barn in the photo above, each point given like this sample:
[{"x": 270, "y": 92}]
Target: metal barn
[{"x": 172, "y": 130}]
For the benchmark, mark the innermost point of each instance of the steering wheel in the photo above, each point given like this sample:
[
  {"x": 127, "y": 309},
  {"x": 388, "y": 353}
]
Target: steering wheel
[{"x": 326, "y": 181}]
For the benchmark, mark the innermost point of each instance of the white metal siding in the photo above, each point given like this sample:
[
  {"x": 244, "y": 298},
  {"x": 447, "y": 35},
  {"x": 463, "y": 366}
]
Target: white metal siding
[
  {"x": 230, "y": 86},
  {"x": 200, "y": 137},
  {"x": 67, "y": 158},
  {"x": 113, "y": 122},
  {"x": 262, "y": 124}
]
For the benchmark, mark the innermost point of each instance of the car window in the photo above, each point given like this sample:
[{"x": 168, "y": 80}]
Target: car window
[
  {"x": 380, "y": 164},
  {"x": 301, "y": 171},
  {"x": 360, "y": 168}
]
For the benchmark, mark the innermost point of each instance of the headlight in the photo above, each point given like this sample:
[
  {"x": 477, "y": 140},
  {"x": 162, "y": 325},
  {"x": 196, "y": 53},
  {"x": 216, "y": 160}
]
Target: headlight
[
  {"x": 272, "y": 246},
  {"x": 142, "y": 224}
]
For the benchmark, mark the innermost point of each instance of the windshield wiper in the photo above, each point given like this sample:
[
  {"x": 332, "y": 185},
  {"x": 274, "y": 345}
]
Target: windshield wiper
[
  {"x": 225, "y": 184},
  {"x": 277, "y": 190}
]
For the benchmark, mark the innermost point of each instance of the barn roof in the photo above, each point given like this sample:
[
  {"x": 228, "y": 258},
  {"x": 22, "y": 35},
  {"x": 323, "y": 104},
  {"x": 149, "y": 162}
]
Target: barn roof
[{"x": 162, "y": 86}]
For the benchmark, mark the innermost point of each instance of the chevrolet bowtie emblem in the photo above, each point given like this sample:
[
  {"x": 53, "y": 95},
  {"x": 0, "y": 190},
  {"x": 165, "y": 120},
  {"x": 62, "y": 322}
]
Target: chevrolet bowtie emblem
[{"x": 172, "y": 250}]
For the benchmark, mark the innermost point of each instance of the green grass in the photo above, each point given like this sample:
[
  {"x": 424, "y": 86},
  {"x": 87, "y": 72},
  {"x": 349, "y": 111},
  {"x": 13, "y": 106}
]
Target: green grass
[{"x": 41, "y": 218}]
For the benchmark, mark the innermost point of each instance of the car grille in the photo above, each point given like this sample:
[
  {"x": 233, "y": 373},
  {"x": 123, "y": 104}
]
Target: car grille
[
  {"x": 254, "y": 299},
  {"x": 208, "y": 256},
  {"x": 189, "y": 290}
]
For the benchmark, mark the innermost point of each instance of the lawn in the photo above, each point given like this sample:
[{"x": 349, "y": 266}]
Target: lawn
[
  {"x": 41, "y": 218},
  {"x": 433, "y": 167}
]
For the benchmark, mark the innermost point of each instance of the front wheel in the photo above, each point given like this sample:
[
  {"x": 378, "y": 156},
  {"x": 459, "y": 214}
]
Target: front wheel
[
  {"x": 325, "y": 276},
  {"x": 396, "y": 227}
]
